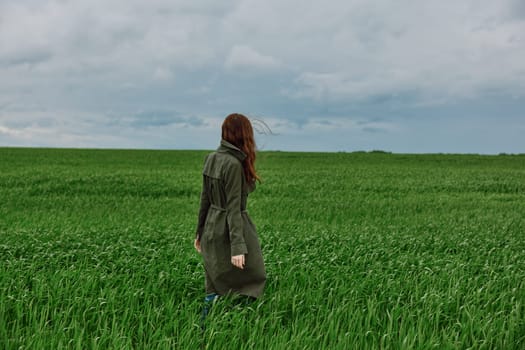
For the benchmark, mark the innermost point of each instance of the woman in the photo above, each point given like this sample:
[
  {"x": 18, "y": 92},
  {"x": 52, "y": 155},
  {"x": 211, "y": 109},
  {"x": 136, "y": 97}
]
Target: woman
[{"x": 226, "y": 236}]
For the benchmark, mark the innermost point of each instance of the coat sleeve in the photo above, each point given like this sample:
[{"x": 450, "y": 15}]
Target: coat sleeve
[
  {"x": 233, "y": 188},
  {"x": 204, "y": 206}
]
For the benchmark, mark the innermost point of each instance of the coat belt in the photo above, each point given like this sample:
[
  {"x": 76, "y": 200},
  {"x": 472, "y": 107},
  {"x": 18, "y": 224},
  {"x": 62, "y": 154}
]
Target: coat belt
[{"x": 216, "y": 207}]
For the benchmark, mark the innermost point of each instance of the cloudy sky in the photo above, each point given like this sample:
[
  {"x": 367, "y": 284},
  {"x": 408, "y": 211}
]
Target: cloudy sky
[{"x": 405, "y": 76}]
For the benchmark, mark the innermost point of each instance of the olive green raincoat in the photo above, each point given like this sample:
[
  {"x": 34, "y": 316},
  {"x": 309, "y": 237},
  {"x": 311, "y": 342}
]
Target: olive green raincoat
[{"x": 224, "y": 227}]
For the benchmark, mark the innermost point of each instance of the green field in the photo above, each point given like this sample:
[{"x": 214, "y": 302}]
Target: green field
[{"x": 363, "y": 250}]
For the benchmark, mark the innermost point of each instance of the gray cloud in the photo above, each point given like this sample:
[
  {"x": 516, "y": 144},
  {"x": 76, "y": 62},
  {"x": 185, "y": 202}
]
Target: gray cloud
[
  {"x": 167, "y": 64},
  {"x": 372, "y": 129},
  {"x": 517, "y": 9},
  {"x": 155, "y": 118},
  {"x": 25, "y": 58},
  {"x": 245, "y": 57}
]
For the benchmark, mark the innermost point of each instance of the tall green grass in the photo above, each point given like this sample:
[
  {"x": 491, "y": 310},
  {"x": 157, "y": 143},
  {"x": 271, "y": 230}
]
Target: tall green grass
[{"x": 363, "y": 250}]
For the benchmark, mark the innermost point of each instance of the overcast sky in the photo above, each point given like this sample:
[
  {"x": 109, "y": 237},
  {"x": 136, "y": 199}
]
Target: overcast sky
[{"x": 405, "y": 76}]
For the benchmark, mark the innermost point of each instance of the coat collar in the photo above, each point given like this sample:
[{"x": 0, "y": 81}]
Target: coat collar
[{"x": 231, "y": 149}]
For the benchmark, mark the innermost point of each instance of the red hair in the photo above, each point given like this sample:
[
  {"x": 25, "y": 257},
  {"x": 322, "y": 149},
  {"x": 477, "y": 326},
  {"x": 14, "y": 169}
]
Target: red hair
[{"x": 237, "y": 130}]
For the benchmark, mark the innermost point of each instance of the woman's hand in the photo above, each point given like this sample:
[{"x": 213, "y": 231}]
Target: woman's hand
[
  {"x": 197, "y": 245},
  {"x": 238, "y": 261}
]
